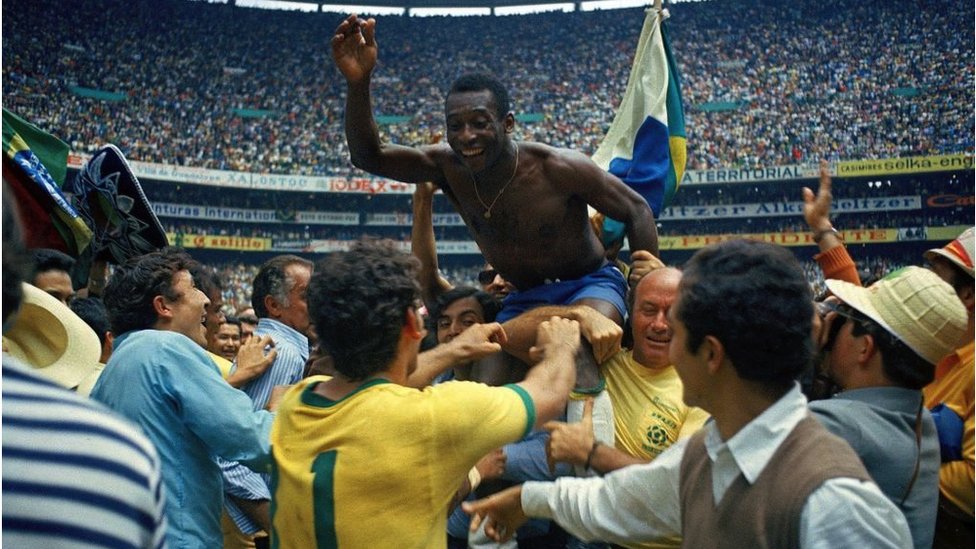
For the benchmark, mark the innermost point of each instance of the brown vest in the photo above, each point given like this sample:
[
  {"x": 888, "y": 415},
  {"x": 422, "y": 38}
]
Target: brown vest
[{"x": 767, "y": 513}]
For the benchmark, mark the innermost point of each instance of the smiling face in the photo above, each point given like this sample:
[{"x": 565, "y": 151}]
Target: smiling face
[
  {"x": 187, "y": 314},
  {"x": 653, "y": 297},
  {"x": 475, "y": 130},
  {"x": 227, "y": 341}
]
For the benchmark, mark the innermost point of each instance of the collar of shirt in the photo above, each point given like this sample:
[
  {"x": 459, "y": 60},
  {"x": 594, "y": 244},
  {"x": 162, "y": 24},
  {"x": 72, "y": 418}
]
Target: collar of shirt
[
  {"x": 897, "y": 399},
  {"x": 754, "y": 445},
  {"x": 279, "y": 331}
]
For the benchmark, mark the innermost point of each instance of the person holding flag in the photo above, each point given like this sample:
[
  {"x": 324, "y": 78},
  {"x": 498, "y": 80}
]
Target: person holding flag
[{"x": 646, "y": 146}]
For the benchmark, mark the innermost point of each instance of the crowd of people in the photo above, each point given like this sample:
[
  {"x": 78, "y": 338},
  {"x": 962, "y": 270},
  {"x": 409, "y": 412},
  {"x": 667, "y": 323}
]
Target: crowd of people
[
  {"x": 876, "y": 464},
  {"x": 848, "y": 80},
  {"x": 566, "y": 394},
  {"x": 689, "y": 197}
]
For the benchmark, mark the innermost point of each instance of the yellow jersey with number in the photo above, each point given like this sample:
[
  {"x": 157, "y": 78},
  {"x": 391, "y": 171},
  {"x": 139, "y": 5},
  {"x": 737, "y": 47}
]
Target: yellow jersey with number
[{"x": 379, "y": 467}]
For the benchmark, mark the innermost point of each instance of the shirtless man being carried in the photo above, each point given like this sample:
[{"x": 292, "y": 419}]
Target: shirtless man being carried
[{"x": 524, "y": 203}]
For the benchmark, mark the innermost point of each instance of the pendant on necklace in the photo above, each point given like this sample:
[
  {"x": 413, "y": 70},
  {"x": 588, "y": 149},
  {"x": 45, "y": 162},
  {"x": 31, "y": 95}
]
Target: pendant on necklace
[{"x": 487, "y": 215}]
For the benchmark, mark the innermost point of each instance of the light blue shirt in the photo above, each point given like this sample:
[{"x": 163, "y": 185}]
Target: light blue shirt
[
  {"x": 168, "y": 385},
  {"x": 642, "y": 502},
  {"x": 287, "y": 369}
]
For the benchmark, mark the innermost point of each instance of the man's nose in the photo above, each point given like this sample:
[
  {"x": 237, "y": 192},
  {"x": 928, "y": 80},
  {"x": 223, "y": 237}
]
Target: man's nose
[{"x": 660, "y": 322}]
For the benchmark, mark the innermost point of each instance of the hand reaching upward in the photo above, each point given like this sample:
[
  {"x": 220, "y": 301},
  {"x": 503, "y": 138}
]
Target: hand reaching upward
[{"x": 354, "y": 48}]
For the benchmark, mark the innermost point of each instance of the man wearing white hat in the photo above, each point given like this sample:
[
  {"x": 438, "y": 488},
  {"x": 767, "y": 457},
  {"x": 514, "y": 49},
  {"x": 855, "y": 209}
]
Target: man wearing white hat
[
  {"x": 951, "y": 396},
  {"x": 882, "y": 345}
]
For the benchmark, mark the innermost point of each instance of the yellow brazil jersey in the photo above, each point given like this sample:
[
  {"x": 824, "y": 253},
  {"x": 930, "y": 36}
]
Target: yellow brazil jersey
[
  {"x": 379, "y": 467},
  {"x": 649, "y": 414}
]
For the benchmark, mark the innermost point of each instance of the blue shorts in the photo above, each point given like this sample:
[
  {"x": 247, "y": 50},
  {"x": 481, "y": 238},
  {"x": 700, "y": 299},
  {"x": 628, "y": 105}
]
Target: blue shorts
[{"x": 606, "y": 284}]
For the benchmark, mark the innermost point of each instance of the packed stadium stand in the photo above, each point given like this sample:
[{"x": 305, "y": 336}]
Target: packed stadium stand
[{"x": 232, "y": 117}]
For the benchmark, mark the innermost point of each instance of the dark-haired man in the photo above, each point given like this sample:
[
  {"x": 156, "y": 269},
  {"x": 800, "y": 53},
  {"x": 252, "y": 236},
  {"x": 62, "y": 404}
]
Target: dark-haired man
[
  {"x": 763, "y": 473},
  {"x": 227, "y": 340},
  {"x": 335, "y": 487},
  {"x": 161, "y": 378},
  {"x": 52, "y": 273},
  {"x": 524, "y": 203},
  {"x": 882, "y": 345}
]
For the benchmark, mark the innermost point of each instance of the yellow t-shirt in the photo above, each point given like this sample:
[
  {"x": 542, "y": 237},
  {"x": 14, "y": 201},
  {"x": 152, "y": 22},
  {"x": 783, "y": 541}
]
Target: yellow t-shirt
[
  {"x": 954, "y": 386},
  {"x": 222, "y": 364},
  {"x": 649, "y": 414},
  {"x": 379, "y": 467}
]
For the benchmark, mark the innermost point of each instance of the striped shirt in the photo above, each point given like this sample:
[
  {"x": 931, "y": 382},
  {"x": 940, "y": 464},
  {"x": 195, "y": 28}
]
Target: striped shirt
[
  {"x": 287, "y": 369},
  {"x": 74, "y": 475}
]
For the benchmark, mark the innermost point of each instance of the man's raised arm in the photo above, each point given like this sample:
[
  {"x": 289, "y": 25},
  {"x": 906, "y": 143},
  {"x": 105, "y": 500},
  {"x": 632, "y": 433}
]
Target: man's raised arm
[{"x": 355, "y": 52}]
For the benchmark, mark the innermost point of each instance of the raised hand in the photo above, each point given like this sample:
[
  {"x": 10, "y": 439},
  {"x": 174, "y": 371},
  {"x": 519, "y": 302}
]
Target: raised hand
[
  {"x": 553, "y": 333},
  {"x": 480, "y": 340},
  {"x": 354, "y": 48},
  {"x": 603, "y": 334},
  {"x": 816, "y": 208}
]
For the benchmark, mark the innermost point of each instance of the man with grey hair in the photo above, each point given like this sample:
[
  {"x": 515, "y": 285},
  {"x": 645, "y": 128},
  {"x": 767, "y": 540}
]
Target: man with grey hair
[{"x": 279, "y": 301}]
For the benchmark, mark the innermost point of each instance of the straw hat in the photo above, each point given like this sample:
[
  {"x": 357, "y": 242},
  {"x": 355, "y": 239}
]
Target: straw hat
[
  {"x": 914, "y": 305},
  {"x": 959, "y": 251},
  {"x": 48, "y": 336}
]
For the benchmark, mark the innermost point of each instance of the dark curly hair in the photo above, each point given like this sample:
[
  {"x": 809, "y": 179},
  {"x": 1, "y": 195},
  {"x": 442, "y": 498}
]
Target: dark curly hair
[
  {"x": 92, "y": 311},
  {"x": 479, "y": 82},
  {"x": 130, "y": 291},
  {"x": 358, "y": 301},
  {"x": 754, "y": 298}
]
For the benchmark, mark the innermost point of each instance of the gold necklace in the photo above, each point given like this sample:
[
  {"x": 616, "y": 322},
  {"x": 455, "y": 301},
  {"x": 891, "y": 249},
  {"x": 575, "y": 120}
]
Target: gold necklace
[{"x": 488, "y": 207}]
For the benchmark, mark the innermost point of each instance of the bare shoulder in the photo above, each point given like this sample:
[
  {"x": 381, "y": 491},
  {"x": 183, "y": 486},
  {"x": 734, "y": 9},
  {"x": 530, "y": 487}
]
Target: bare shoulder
[
  {"x": 555, "y": 159},
  {"x": 565, "y": 165},
  {"x": 444, "y": 158}
]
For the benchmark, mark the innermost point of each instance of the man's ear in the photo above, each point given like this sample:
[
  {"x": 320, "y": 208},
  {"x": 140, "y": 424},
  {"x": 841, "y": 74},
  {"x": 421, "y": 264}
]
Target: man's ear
[
  {"x": 413, "y": 324},
  {"x": 866, "y": 349},
  {"x": 509, "y": 122},
  {"x": 159, "y": 306},
  {"x": 272, "y": 306},
  {"x": 713, "y": 353}
]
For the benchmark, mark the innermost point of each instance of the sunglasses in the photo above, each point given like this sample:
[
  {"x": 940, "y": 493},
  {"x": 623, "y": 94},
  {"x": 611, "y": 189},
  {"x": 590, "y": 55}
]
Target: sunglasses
[
  {"x": 843, "y": 310},
  {"x": 487, "y": 276}
]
